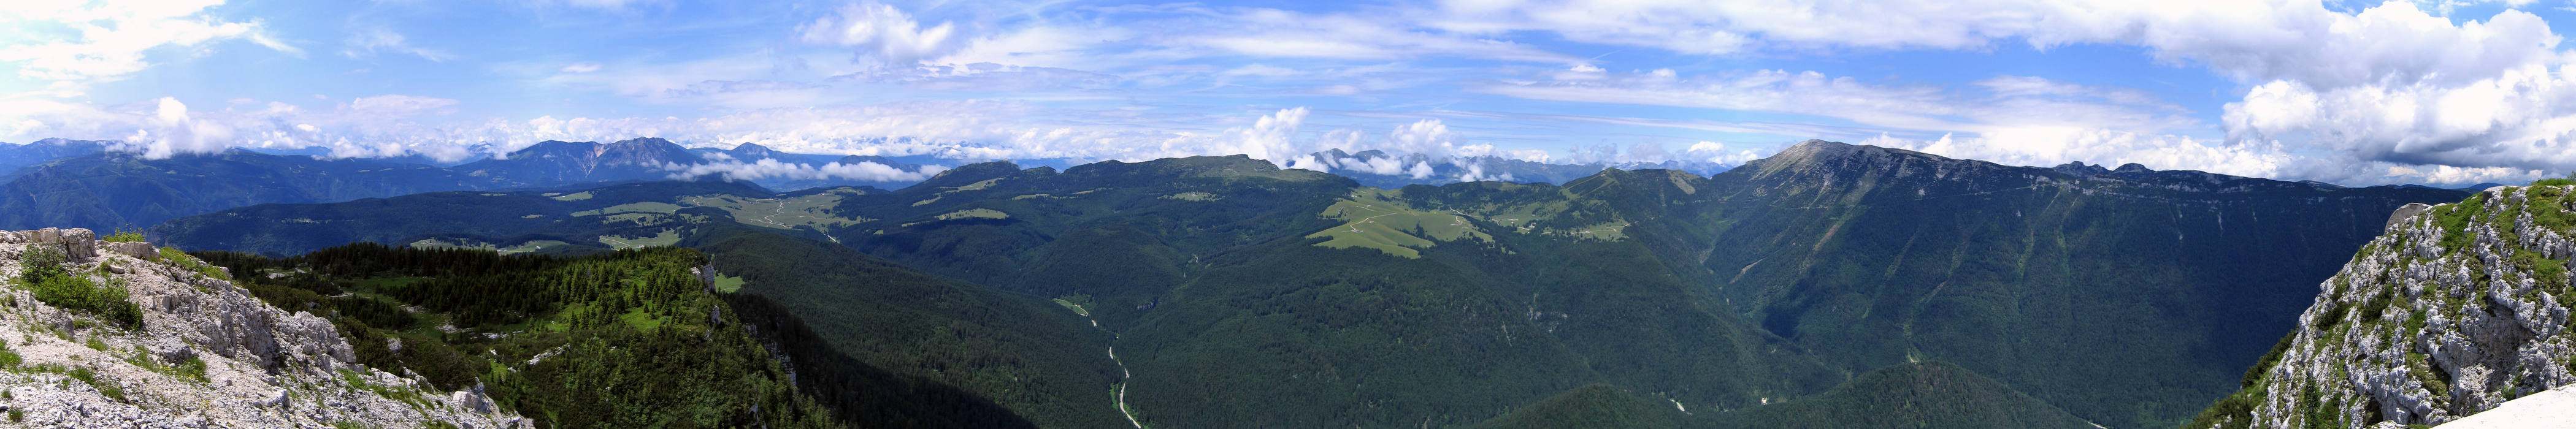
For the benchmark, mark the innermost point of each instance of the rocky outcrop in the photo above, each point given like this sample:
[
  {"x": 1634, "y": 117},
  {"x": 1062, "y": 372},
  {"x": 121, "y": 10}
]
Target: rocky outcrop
[
  {"x": 208, "y": 355},
  {"x": 2458, "y": 308},
  {"x": 79, "y": 243}
]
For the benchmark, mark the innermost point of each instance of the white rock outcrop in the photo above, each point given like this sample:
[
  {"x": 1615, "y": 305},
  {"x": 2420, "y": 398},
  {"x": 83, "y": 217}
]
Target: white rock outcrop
[
  {"x": 2430, "y": 323},
  {"x": 263, "y": 367}
]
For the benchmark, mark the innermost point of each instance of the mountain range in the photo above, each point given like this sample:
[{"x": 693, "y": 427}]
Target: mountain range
[
  {"x": 105, "y": 190},
  {"x": 1228, "y": 292}
]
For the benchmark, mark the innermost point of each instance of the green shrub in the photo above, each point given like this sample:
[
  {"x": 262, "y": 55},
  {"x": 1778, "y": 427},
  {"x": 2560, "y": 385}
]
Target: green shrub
[
  {"x": 176, "y": 257},
  {"x": 104, "y": 387},
  {"x": 42, "y": 261},
  {"x": 8, "y": 358},
  {"x": 193, "y": 369},
  {"x": 81, "y": 295}
]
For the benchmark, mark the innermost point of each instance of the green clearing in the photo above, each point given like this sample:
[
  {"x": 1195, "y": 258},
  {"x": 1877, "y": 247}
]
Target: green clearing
[
  {"x": 640, "y": 320},
  {"x": 791, "y": 213},
  {"x": 1371, "y": 220},
  {"x": 1193, "y": 196},
  {"x": 576, "y": 196},
  {"x": 530, "y": 246},
  {"x": 636, "y": 218},
  {"x": 978, "y": 186},
  {"x": 1077, "y": 308},
  {"x": 966, "y": 214},
  {"x": 639, "y": 207},
  {"x": 620, "y": 242},
  {"x": 434, "y": 243},
  {"x": 728, "y": 284}
]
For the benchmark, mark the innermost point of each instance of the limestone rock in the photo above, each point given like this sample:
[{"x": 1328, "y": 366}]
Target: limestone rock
[
  {"x": 2404, "y": 212},
  {"x": 136, "y": 249},
  {"x": 2454, "y": 310},
  {"x": 263, "y": 366}
]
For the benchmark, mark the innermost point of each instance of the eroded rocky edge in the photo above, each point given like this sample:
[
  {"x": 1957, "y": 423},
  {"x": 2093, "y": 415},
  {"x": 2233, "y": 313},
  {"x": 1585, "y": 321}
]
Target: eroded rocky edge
[
  {"x": 264, "y": 367},
  {"x": 2417, "y": 330}
]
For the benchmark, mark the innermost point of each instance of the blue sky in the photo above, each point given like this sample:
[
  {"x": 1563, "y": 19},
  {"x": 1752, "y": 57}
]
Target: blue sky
[{"x": 2445, "y": 92}]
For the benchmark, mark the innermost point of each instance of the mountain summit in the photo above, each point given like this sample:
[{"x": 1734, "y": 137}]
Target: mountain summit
[{"x": 554, "y": 161}]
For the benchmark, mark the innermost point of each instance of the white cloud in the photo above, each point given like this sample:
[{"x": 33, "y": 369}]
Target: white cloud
[
  {"x": 368, "y": 41},
  {"x": 2396, "y": 83},
  {"x": 2522, "y": 119},
  {"x": 2007, "y": 101},
  {"x": 169, "y": 131},
  {"x": 581, "y": 67},
  {"x": 1719, "y": 154},
  {"x": 1427, "y": 137},
  {"x": 882, "y": 32},
  {"x": 768, "y": 168},
  {"x": 397, "y": 105},
  {"x": 105, "y": 41},
  {"x": 2256, "y": 40},
  {"x": 1272, "y": 137}
]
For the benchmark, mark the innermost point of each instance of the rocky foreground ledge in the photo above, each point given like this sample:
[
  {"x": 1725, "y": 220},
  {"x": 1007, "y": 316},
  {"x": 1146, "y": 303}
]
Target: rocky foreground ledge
[{"x": 206, "y": 353}]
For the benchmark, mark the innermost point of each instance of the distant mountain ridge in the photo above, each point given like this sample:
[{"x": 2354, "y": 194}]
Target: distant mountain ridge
[
  {"x": 99, "y": 189},
  {"x": 557, "y": 162}
]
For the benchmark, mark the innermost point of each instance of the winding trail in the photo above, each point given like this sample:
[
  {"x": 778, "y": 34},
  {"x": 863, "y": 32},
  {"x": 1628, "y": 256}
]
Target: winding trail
[
  {"x": 1123, "y": 375},
  {"x": 773, "y": 215},
  {"x": 1122, "y": 383}
]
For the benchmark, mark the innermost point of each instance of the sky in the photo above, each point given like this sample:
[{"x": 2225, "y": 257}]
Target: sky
[{"x": 2445, "y": 92}]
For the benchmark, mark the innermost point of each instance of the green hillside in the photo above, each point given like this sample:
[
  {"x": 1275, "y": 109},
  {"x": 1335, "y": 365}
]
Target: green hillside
[
  {"x": 1928, "y": 394},
  {"x": 1597, "y": 406},
  {"x": 1040, "y": 361}
]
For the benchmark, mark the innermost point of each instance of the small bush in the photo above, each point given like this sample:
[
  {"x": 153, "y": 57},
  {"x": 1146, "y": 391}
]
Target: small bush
[
  {"x": 8, "y": 359},
  {"x": 81, "y": 295},
  {"x": 42, "y": 261}
]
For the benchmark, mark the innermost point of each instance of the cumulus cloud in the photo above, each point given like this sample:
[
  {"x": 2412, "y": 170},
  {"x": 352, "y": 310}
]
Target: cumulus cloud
[
  {"x": 2521, "y": 119},
  {"x": 881, "y": 32},
  {"x": 1273, "y": 138},
  {"x": 169, "y": 131},
  {"x": 1427, "y": 137},
  {"x": 865, "y": 171}
]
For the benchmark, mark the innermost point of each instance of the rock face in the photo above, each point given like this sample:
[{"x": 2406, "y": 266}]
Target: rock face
[
  {"x": 2456, "y": 309},
  {"x": 261, "y": 366}
]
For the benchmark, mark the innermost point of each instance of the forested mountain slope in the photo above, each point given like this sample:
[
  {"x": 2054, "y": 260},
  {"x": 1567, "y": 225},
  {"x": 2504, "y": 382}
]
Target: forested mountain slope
[{"x": 1236, "y": 293}]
